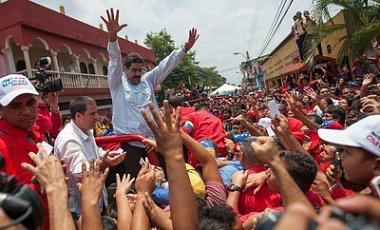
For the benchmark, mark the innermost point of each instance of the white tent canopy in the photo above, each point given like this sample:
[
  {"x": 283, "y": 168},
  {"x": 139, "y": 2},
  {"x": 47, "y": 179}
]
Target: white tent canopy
[{"x": 225, "y": 89}]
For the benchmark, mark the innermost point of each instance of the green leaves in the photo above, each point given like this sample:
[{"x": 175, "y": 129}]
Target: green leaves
[
  {"x": 188, "y": 71},
  {"x": 361, "y": 24}
]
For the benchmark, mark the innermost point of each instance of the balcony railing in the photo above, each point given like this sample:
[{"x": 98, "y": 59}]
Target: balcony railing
[{"x": 76, "y": 80}]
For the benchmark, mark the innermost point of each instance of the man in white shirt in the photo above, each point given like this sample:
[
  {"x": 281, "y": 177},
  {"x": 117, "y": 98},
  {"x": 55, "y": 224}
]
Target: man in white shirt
[
  {"x": 300, "y": 31},
  {"x": 131, "y": 89},
  {"x": 76, "y": 143}
]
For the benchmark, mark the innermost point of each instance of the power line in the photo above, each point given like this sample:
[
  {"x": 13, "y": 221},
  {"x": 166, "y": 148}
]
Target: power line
[
  {"x": 259, "y": 6},
  {"x": 274, "y": 22},
  {"x": 229, "y": 69},
  {"x": 278, "y": 25}
]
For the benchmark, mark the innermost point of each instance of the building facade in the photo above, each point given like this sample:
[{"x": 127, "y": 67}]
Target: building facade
[
  {"x": 284, "y": 57},
  {"x": 78, "y": 51}
]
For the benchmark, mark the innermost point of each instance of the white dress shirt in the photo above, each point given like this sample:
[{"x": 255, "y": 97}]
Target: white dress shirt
[
  {"x": 74, "y": 146},
  {"x": 128, "y": 99}
]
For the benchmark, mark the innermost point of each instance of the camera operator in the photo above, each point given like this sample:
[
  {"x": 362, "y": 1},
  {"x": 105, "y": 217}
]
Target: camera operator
[{"x": 49, "y": 118}]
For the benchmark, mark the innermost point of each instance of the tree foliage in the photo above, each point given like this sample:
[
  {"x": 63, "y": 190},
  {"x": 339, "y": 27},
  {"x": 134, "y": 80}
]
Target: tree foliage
[
  {"x": 362, "y": 24},
  {"x": 188, "y": 71}
]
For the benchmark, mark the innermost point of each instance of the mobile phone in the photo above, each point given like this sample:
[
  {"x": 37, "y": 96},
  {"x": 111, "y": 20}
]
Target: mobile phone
[
  {"x": 375, "y": 186},
  {"x": 272, "y": 106}
]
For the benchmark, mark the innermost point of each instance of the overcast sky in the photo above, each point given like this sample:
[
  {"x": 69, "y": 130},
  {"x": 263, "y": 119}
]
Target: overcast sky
[{"x": 225, "y": 26}]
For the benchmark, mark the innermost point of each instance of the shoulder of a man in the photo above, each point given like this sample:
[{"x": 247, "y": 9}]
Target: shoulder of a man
[{"x": 67, "y": 134}]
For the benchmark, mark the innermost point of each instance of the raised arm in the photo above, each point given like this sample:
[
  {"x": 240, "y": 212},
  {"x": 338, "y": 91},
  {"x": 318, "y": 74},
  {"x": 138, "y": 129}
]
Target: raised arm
[
  {"x": 115, "y": 67},
  {"x": 267, "y": 152},
  {"x": 49, "y": 173},
  {"x": 210, "y": 170},
  {"x": 368, "y": 80},
  {"x": 124, "y": 213},
  {"x": 281, "y": 128},
  {"x": 166, "y": 66},
  {"x": 169, "y": 144},
  {"x": 145, "y": 183},
  {"x": 91, "y": 191}
]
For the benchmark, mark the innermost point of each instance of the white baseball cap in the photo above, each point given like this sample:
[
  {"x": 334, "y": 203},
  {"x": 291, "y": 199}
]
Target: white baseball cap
[
  {"x": 362, "y": 134},
  {"x": 13, "y": 85},
  {"x": 267, "y": 124}
]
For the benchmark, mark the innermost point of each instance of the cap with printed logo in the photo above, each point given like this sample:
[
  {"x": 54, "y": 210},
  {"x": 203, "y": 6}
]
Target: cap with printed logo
[
  {"x": 12, "y": 86},
  {"x": 362, "y": 134}
]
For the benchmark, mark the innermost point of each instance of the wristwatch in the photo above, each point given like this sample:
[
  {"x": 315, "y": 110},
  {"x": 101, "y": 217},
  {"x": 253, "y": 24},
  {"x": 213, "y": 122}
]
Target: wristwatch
[{"x": 234, "y": 188}]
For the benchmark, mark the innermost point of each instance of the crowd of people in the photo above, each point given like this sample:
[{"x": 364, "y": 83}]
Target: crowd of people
[{"x": 303, "y": 155}]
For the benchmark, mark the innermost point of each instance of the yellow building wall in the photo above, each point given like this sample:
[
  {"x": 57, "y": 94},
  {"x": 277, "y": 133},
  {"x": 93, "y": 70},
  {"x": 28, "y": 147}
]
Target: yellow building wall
[
  {"x": 282, "y": 58},
  {"x": 335, "y": 39}
]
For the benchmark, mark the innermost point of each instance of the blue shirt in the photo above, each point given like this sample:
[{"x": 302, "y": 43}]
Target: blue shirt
[
  {"x": 227, "y": 171},
  {"x": 128, "y": 99}
]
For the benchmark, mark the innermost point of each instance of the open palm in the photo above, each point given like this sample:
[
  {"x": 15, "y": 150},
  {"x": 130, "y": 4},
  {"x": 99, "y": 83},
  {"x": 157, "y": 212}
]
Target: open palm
[{"x": 112, "y": 23}]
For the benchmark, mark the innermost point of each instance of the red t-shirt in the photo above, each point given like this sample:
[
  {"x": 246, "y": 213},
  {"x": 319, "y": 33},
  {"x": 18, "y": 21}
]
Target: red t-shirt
[
  {"x": 185, "y": 111},
  {"x": 201, "y": 125},
  {"x": 15, "y": 144},
  {"x": 249, "y": 202},
  {"x": 48, "y": 121}
]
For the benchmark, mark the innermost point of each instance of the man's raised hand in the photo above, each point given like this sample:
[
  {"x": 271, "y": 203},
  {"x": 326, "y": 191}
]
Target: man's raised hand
[
  {"x": 193, "y": 37},
  {"x": 113, "y": 26},
  {"x": 266, "y": 150},
  {"x": 167, "y": 133}
]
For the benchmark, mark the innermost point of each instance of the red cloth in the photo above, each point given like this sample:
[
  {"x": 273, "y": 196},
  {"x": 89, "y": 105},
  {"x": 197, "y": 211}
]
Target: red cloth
[
  {"x": 185, "y": 111},
  {"x": 15, "y": 144},
  {"x": 314, "y": 139},
  {"x": 249, "y": 202},
  {"x": 324, "y": 166},
  {"x": 315, "y": 199},
  {"x": 294, "y": 124},
  {"x": 335, "y": 125},
  {"x": 200, "y": 125},
  {"x": 251, "y": 114},
  {"x": 48, "y": 121},
  {"x": 338, "y": 192}
]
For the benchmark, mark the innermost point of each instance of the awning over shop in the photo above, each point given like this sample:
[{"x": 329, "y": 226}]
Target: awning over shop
[{"x": 295, "y": 68}]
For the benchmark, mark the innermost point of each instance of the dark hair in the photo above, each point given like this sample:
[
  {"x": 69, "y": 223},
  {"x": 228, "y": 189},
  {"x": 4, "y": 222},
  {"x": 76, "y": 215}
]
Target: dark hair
[
  {"x": 216, "y": 217},
  {"x": 329, "y": 101},
  {"x": 133, "y": 58},
  {"x": 301, "y": 167},
  {"x": 337, "y": 112},
  {"x": 175, "y": 101},
  {"x": 247, "y": 149},
  {"x": 201, "y": 106},
  {"x": 315, "y": 118},
  {"x": 108, "y": 223},
  {"x": 79, "y": 105}
]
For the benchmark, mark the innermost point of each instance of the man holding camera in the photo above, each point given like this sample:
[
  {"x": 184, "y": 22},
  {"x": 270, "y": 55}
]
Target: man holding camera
[{"x": 131, "y": 88}]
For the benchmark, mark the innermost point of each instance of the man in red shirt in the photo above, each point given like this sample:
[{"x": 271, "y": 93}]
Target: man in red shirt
[
  {"x": 18, "y": 132},
  {"x": 200, "y": 125},
  {"x": 248, "y": 200}
]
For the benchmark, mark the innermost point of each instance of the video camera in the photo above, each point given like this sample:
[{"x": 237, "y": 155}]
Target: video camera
[
  {"x": 19, "y": 202},
  {"x": 46, "y": 82}
]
